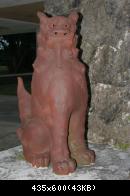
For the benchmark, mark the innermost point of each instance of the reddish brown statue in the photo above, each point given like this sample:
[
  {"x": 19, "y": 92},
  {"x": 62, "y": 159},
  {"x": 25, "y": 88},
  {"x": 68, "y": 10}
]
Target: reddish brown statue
[{"x": 53, "y": 116}]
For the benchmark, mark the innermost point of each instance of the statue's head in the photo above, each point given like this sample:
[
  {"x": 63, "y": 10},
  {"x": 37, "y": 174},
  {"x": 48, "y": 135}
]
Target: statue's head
[{"x": 58, "y": 26}]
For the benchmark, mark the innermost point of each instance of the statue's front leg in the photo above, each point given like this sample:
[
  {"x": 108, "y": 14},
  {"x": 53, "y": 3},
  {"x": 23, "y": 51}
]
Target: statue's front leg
[{"x": 60, "y": 157}]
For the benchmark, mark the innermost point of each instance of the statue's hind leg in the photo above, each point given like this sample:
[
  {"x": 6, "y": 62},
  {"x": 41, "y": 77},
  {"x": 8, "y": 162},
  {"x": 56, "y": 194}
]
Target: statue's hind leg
[{"x": 34, "y": 137}]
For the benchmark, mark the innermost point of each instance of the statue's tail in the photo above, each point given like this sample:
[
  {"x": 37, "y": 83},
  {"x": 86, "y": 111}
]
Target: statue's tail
[{"x": 24, "y": 101}]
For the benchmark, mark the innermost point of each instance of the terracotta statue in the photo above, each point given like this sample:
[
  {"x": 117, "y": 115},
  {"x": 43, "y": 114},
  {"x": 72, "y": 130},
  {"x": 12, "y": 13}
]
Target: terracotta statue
[{"x": 53, "y": 116}]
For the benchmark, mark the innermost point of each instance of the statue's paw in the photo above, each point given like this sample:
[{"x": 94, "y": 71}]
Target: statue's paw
[
  {"x": 64, "y": 167},
  {"x": 39, "y": 161},
  {"x": 86, "y": 157}
]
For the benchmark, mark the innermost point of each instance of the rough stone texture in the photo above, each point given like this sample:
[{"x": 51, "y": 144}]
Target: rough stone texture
[
  {"x": 111, "y": 164},
  {"x": 105, "y": 30}
]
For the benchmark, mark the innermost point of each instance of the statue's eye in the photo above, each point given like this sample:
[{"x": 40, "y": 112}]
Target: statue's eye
[
  {"x": 53, "y": 25},
  {"x": 66, "y": 25}
]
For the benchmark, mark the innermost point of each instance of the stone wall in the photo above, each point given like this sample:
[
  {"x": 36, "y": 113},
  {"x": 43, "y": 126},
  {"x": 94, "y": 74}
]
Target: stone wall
[{"x": 105, "y": 31}]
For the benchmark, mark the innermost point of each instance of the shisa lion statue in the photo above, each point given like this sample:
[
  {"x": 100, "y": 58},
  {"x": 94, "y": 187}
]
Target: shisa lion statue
[{"x": 53, "y": 115}]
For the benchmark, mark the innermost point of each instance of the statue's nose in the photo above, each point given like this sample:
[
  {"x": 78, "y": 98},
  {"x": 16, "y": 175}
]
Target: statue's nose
[{"x": 60, "y": 33}]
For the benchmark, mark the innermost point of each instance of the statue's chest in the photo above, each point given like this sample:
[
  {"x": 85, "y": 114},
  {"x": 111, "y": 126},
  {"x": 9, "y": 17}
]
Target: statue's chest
[
  {"x": 61, "y": 60},
  {"x": 58, "y": 56}
]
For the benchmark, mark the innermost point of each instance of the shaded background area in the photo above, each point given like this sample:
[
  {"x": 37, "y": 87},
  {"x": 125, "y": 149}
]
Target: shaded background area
[
  {"x": 9, "y": 122},
  {"x": 18, "y": 27},
  {"x": 17, "y": 53}
]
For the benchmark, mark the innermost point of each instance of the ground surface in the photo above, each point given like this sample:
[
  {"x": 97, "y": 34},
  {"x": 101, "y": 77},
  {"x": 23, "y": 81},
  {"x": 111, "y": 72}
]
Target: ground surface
[{"x": 111, "y": 164}]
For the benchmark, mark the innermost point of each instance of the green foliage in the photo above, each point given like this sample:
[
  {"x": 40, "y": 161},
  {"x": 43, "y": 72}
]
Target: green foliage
[
  {"x": 20, "y": 156},
  {"x": 122, "y": 146},
  {"x": 129, "y": 118}
]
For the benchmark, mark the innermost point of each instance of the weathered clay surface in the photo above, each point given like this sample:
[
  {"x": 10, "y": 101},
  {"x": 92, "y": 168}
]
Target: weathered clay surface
[
  {"x": 53, "y": 116},
  {"x": 106, "y": 45}
]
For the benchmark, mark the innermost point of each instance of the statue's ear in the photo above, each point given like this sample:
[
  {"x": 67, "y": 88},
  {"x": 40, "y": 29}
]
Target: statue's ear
[
  {"x": 73, "y": 16},
  {"x": 42, "y": 16}
]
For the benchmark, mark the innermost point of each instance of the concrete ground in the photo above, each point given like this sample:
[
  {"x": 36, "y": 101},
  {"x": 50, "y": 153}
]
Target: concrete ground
[{"x": 111, "y": 163}]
